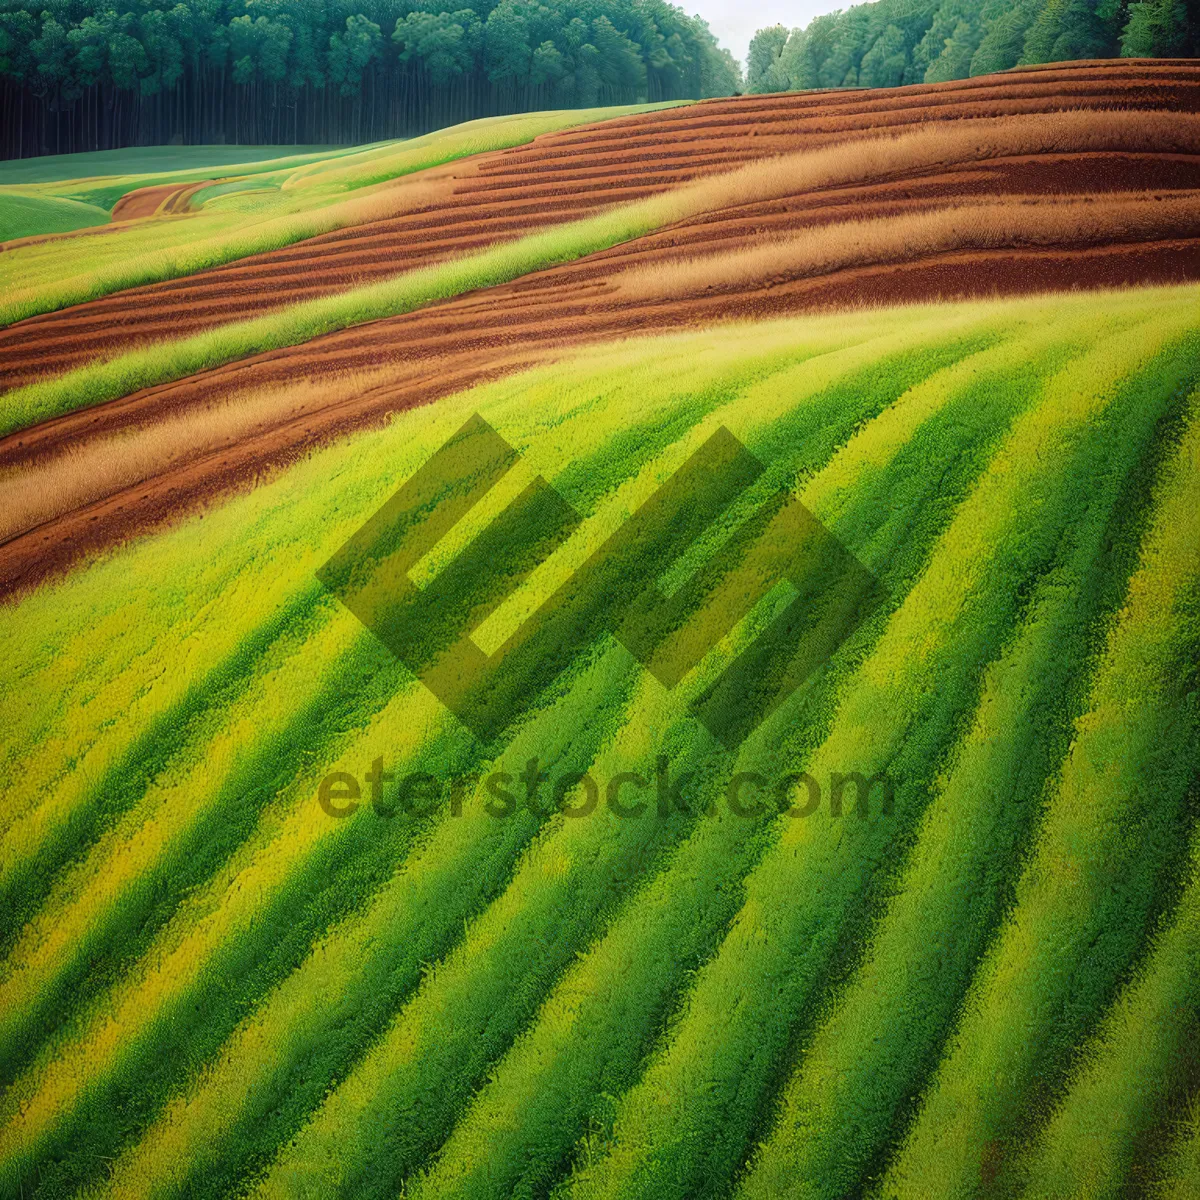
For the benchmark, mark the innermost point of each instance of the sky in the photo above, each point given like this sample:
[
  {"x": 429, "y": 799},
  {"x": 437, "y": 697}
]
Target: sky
[{"x": 735, "y": 22}]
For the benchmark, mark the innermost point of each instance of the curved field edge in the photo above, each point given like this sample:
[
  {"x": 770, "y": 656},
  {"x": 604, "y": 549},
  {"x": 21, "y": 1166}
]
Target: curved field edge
[
  {"x": 139, "y": 369},
  {"x": 92, "y": 682},
  {"x": 975, "y": 140},
  {"x": 616, "y": 161},
  {"x": 141, "y": 165},
  {"x": 297, "y": 202}
]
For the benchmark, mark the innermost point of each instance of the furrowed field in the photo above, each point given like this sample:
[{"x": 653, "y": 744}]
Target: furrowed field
[
  {"x": 911, "y": 908},
  {"x": 210, "y": 985}
]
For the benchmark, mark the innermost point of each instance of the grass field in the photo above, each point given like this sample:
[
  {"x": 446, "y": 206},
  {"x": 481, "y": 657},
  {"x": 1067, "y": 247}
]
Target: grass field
[
  {"x": 149, "y": 161},
  {"x": 846, "y": 847},
  {"x": 211, "y": 984},
  {"x": 24, "y": 215}
]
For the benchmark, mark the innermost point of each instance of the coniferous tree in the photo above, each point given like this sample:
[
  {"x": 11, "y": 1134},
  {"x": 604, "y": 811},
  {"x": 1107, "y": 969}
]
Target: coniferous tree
[
  {"x": 763, "y": 70},
  {"x": 893, "y": 42},
  {"x": 95, "y": 74},
  {"x": 1158, "y": 29},
  {"x": 1003, "y": 41},
  {"x": 1071, "y": 29},
  {"x": 887, "y": 61}
]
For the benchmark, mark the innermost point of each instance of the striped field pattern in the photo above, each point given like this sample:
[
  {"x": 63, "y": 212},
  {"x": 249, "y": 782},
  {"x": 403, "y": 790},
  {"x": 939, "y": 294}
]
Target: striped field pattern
[
  {"x": 211, "y": 987},
  {"x": 171, "y": 359}
]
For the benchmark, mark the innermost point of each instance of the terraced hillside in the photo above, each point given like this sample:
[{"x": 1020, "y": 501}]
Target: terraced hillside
[
  {"x": 1083, "y": 176},
  {"x": 561, "y": 176},
  {"x": 277, "y": 922}
]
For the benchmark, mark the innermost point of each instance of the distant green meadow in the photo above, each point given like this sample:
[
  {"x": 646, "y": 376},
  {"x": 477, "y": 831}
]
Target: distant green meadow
[
  {"x": 25, "y": 215},
  {"x": 212, "y": 986},
  {"x": 165, "y": 162},
  {"x": 63, "y": 192}
]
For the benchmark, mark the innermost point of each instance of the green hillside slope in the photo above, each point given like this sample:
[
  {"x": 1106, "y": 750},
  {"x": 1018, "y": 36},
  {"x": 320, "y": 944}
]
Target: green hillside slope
[{"x": 211, "y": 985}]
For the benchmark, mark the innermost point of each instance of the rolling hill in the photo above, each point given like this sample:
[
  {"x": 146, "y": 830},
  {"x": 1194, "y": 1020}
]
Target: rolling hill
[{"x": 959, "y": 324}]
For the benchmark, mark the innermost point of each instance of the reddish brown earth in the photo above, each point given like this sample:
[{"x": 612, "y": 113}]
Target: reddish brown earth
[
  {"x": 563, "y": 175},
  {"x": 173, "y": 198},
  {"x": 445, "y": 347},
  {"x": 161, "y": 198}
]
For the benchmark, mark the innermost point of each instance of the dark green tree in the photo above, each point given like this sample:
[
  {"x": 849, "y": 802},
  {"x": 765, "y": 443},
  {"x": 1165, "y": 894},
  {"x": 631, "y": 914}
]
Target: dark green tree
[
  {"x": 1003, "y": 40},
  {"x": 90, "y": 74},
  {"x": 1072, "y": 29},
  {"x": 894, "y": 42},
  {"x": 887, "y": 62},
  {"x": 1158, "y": 29},
  {"x": 764, "y": 73}
]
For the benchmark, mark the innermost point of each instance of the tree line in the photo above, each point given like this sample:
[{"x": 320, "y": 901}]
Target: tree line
[
  {"x": 101, "y": 74},
  {"x": 895, "y": 42}
]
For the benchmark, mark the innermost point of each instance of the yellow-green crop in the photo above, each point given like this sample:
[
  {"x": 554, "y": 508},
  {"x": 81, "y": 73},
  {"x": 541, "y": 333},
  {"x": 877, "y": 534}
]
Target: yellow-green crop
[{"x": 212, "y": 986}]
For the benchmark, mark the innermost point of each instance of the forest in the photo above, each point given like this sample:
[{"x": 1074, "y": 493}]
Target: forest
[
  {"x": 81, "y": 75},
  {"x": 895, "y": 42}
]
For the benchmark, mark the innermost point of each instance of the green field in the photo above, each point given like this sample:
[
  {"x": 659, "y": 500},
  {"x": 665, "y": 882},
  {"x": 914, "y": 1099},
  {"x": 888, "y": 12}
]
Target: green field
[
  {"x": 210, "y": 986},
  {"x": 26, "y": 215},
  {"x": 162, "y": 161}
]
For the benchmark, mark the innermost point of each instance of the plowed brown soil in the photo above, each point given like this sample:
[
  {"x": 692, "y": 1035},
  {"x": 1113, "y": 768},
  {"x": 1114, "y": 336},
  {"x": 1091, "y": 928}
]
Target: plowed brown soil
[
  {"x": 174, "y": 198},
  {"x": 561, "y": 176},
  {"x": 162, "y": 198},
  {"x": 440, "y": 349}
]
